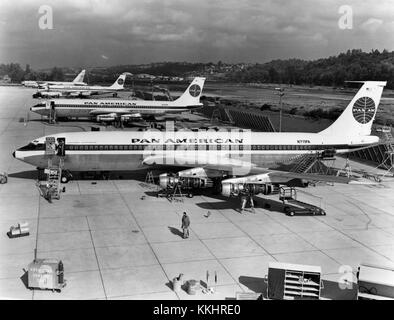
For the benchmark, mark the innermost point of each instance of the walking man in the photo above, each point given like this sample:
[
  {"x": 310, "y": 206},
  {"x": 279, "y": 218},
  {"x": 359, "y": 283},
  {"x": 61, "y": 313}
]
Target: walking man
[
  {"x": 244, "y": 200},
  {"x": 185, "y": 225}
]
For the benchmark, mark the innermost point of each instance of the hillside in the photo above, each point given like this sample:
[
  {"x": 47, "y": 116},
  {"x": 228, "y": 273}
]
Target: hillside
[{"x": 333, "y": 71}]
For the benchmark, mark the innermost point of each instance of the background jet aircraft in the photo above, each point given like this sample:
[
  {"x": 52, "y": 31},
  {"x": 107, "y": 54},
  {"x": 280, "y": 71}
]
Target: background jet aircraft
[
  {"x": 126, "y": 110},
  {"x": 67, "y": 90},
  {"x": 78, "y": 81}
]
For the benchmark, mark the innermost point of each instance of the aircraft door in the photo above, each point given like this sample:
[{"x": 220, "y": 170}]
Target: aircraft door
[
  {"x": 61, "y": 147},
  {"x": 50, "y": 146}
]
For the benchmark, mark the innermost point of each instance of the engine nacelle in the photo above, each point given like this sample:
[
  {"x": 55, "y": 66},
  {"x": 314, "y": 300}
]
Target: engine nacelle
[
  {"x": 106, "y": 117},
  {"x": 128, "y": 117},
  {"x": 47, "y": 94},
  {"x": 167, "y": 181},
  {"x": 237, "y": 189}
]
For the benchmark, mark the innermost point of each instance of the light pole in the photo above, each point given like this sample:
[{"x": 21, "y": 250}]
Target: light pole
[{"x": 281, "y": 94}]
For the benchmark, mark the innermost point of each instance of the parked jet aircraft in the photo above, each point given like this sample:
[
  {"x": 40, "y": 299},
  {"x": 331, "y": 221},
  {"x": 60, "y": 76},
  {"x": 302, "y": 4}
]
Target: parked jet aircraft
[
  {"x": 73, "y": 90},
  {"x": 125, "y": 110},
  {"x": 238, "y": 159},
  {"x": 78, "y": 81}
]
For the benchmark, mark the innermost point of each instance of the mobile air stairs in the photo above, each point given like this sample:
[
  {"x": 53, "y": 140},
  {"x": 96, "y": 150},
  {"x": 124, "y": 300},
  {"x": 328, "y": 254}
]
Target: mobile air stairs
[
  {"x": 314, "y": 164},
  {"x": 50, "y": 188},
  {"x": 388, "y": 140},
  {"x": 54, "y": 175}
]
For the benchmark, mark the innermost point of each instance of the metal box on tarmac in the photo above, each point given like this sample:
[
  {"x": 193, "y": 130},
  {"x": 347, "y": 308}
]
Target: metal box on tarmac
[{"x": 46, "y": 274}]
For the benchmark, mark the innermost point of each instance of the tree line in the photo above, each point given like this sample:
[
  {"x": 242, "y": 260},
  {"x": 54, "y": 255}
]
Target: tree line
[
  {"x": 18, "y": 74},
  {"x": 333, "y": 71}
]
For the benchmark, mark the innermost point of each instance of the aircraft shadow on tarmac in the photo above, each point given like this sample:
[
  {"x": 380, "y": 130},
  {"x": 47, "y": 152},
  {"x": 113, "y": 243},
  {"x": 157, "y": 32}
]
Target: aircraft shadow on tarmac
[
  {"x": 235, "y": 204},
  {"x": 273, "y": 206},
  {"x": 30, "y": 174},
  {"x": 132, "y": 175}
]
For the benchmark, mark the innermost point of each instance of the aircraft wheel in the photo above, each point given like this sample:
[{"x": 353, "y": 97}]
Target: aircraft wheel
[
  {"x": 291, "y": 213},
  {"x": 66, "y": 177},
  {"x": 190, "y": 195}
]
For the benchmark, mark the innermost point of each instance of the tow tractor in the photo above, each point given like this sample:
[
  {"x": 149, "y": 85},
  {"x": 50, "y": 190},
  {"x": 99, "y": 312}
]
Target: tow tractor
[{"x": 292, "y": 206}]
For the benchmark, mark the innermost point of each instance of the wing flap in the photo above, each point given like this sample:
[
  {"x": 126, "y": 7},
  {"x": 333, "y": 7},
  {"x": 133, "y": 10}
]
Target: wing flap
[{"x": 95, "y": 112}]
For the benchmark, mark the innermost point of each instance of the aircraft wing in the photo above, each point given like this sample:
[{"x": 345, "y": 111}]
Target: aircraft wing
[
  {"x": 275, "y": 176},
  {"x": 245, "y": 171},
  {"x": 119, "y": 112},
  {"x": 211, "y": 162}
]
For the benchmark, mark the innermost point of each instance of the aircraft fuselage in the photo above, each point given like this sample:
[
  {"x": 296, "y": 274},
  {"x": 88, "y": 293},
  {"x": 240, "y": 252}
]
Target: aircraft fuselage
[{"x": 99, "y": 151}]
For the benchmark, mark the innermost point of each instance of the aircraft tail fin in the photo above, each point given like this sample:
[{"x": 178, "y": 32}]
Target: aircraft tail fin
[
  {"x": 80, "y": 76},
  {"x": 193, "y": 92},
  {"x": 119, "y": 83},
  {"x": 358, "y": 116}
]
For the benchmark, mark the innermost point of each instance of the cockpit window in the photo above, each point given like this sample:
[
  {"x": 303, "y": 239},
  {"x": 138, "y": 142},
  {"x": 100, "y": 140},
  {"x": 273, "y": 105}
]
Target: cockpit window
[
  {"x": 39, "y": 105},
  {"x": 32, "y": 146}
]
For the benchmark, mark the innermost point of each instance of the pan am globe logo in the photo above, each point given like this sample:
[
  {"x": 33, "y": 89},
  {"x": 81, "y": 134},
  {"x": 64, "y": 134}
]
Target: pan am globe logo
[
  {"x": 195, "y": 90},
  {"x": 364, "y": 110},
  {"x": 120, "y": 81}
]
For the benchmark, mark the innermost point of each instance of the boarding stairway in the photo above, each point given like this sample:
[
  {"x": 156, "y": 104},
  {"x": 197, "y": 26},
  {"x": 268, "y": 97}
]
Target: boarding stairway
[
  {"x": 54, "y": 176},
  {"x": 312, "y": 164},
  {"x": 388, "y": 142}
]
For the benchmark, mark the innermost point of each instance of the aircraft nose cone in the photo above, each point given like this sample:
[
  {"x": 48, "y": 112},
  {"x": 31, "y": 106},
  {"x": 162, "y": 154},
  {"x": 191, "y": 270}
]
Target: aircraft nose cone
[{"x": 13, "y": 154}]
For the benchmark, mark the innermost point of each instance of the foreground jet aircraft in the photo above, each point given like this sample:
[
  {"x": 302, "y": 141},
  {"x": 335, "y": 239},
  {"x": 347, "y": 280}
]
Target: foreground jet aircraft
[
  {"x": 238, "y": 159},
  {"x": 125, "y": 110}
]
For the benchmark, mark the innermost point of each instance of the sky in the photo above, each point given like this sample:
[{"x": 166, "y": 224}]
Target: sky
[{"x": 89, "y": 33}]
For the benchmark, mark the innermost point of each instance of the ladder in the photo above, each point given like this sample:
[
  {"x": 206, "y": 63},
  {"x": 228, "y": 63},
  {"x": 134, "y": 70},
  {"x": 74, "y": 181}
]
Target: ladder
[
  {"x": 347, "y": 170},
  {"x": 149, "y": 179},
  {"x": 229, "y": 116},
  {"x": 215, "y": 115},
  {"x": 52, "y": 115},
  {"x": 176, "y": 192}
]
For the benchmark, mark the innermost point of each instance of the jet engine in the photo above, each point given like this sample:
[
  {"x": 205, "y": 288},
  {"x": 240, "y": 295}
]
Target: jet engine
[
  {"x": 127, "y": 117},
  {"x": 237, "y": 189},
  {"x": 168, "y": 181},
  {"x": 106, "y": 117},
  {"x": 47, "y": 94}
]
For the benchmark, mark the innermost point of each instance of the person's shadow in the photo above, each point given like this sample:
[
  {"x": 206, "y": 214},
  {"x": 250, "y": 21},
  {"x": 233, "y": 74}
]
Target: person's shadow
[{"x": 176, "y": 231}]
